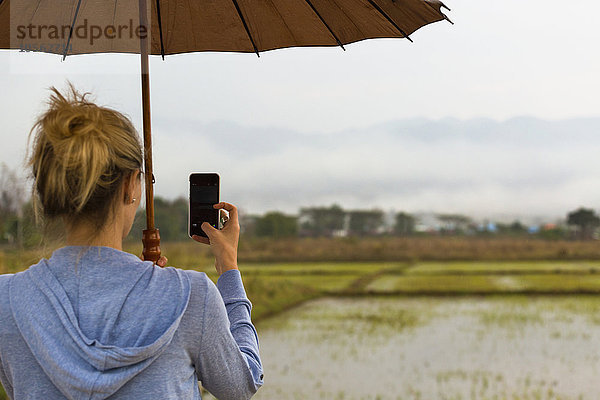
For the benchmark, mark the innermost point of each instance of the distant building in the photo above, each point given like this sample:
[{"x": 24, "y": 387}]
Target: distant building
[{"x": 427, "y": 223}]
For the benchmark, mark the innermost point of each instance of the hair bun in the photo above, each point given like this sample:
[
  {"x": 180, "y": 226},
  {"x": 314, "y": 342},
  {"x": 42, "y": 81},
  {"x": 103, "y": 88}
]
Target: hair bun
[{"x": 73, "y": 117}]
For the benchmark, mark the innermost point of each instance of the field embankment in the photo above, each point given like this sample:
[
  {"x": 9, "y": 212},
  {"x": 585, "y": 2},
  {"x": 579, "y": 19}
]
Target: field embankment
[
  {"x": 405, "y": 249},
  {"x": 415, "y": 248}
]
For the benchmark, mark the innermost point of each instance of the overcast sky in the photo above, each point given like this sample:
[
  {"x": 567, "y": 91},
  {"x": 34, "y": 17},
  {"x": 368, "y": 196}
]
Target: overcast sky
[{"x": 500, "y": 60}]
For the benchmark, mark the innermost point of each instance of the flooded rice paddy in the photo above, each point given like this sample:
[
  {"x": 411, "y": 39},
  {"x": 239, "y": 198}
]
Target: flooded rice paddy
[{"x": 505, "y": 347}]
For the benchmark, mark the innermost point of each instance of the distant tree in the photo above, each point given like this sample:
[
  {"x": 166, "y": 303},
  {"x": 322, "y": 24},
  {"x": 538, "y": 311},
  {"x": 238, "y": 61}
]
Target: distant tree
[
  {"x": 405, "y": 224},
  {"x": 247, "y": 223},
  {"x": 12, "y": 198},
  {"x": 512, "y": 229},
  {"x": 322, "y": 221},
  {"x": 586, "y": 222},
  {"x": 139, "y": 224},
  {"x": 32, "y": 231},
  {"x": 517, "y": 228},
  {"x": 365, "y": 222},
  {"x": 276, "y": 224},
  {"x": 553, "y": 233},
  {"x": 503, "y": 229},
  {"x": 170, "y": 217},
  {"x": 454, "y": 223}
]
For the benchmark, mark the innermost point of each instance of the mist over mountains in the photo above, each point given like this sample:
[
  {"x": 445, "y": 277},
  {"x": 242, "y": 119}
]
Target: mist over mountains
[{"x": 519, "y": 167}]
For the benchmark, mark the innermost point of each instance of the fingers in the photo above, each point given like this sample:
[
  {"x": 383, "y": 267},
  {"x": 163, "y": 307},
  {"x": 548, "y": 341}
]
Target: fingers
[
  {"x": 233, "y": 213},
  {"x": 201, "y": 239},
  {"x": 208, "y": 229},
  {"x": 162, "y": 261}
]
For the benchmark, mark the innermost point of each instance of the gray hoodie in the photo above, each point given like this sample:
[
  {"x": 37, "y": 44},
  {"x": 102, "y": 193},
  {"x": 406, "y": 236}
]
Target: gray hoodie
[{"x": 97, "y": 323}]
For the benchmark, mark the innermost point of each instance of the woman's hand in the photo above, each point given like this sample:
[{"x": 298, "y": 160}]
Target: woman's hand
[
  {"x": 162, "y": 261},
  {"x": 223, "y": 243}
]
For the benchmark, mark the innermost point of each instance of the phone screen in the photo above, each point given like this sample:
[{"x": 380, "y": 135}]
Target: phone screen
[{"x": 204, "y": 193}]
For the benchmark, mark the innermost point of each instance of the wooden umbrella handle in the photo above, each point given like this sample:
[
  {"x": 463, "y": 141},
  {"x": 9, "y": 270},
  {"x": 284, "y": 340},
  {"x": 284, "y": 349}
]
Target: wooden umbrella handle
[
  {"x": 150, "y": 236},
  {"x": 151, "y": 241}
]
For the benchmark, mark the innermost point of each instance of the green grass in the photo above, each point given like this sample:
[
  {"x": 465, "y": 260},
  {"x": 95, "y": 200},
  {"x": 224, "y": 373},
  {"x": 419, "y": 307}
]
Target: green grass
[
  {"x": 186, "y": 255},
  {"x": 332, "y": 268},
  {"x": 15, "y": 260},
  {"x": 269, "y": 297},
  {"x": 273, "y": 288},
  {"x": 482, "y": 284},
  {"x": 276, "y": 287},
  {"x": 491, "y": 278},
  {"x": 317, "y": 283},
  {"x": 503, "y": 267},
  {"x": 437, "y": 283}
]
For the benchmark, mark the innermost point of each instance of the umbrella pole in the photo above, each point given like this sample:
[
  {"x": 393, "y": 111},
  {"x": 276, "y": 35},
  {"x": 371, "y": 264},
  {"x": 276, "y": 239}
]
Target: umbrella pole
[{"x": 150, "y": 235}]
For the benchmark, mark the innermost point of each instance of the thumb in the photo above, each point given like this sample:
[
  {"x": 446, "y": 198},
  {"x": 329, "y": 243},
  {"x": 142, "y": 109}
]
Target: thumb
[{"x": 208, "y": 229}]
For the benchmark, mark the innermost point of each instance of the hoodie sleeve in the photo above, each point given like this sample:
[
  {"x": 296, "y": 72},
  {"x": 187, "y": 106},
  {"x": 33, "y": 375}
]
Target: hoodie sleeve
[
  {"x": 5, "y": 382},
  {"x": 230, "y": 366},
  {"x": 4, "y": 323}
]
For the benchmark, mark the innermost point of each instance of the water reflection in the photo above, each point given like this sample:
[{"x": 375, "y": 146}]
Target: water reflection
[{"x": 424, "y": 348}]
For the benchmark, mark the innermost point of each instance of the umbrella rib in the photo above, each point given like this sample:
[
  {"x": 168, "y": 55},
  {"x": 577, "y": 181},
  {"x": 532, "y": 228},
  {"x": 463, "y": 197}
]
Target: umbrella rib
[
  {"x": 114, "y": 18},
  {"x": 445, "y": 16},
  {"x": 162, "y": 46},
  {"x": 325, "y": 23},
  {"x": 37, "y": 7},
  {"x": 442, "y": 5},
  {"x": 390, "y": 20},
  {"x": 237, "y": 7},
  {"x": 34, "y": 11},
  {"x": 71, "y": 31}
]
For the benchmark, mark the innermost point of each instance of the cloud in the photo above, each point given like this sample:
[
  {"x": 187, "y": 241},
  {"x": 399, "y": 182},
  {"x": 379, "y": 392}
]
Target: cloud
[{"x": 479, "y": 166}]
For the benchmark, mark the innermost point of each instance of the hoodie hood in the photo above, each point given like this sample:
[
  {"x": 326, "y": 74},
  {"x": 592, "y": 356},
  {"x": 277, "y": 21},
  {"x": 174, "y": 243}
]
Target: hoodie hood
[{"x": 95, "y": 317}]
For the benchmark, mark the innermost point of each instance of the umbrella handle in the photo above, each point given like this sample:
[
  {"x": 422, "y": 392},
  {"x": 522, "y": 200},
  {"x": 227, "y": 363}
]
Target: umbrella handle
[
  {"x": 151, "y": 241},
  {"x": 150, "y": 236}
]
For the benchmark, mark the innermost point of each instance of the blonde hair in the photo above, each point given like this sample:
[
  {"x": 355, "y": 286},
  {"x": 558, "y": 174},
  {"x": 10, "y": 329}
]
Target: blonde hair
[{"x": 80, "y": 157}]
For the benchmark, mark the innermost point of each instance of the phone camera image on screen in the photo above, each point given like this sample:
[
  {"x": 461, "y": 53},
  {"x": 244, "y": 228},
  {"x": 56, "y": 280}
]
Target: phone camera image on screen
[{"x": 204, "y": 193}]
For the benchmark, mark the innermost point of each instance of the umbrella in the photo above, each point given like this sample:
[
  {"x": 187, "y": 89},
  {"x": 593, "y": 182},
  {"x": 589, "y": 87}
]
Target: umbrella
[{"x": 163, "y": 27}]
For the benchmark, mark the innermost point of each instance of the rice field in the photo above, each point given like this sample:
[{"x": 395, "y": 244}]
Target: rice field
[{"x": 494, "y": 347}]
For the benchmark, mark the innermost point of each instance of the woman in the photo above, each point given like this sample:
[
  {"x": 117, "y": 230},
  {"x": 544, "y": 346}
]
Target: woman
[{"x": 94, "y": 322}]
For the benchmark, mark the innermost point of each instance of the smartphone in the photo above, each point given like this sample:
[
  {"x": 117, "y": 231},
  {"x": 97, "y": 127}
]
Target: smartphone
[{"x": 204, "y": 193}]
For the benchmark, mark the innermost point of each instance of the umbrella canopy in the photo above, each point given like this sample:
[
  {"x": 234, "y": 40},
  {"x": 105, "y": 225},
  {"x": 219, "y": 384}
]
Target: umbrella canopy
[
  {"x": 163, "y": 27},
  {"x": 178, "y": 26}
]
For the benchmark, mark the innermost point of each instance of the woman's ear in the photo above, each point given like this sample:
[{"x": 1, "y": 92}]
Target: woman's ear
[{"x": 129, "y": 187}]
